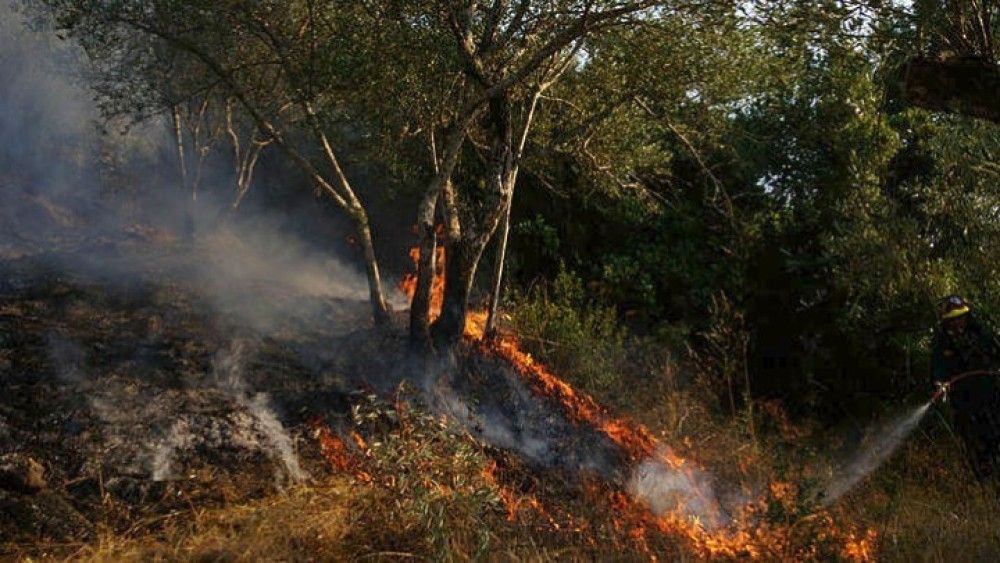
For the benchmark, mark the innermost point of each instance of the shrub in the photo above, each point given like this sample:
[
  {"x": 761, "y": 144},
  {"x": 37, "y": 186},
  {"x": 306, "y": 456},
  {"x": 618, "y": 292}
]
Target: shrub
[{"x": 575, "y": 337}]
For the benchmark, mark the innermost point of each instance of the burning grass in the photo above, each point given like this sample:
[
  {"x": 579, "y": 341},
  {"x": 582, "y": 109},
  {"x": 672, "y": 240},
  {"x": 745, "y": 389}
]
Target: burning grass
[
  {"x": 391, "y": 480},
  {"x": 681, "y": 498},
  {"x": 670, "y": 494},
  {"x": 445, "y": 484}
]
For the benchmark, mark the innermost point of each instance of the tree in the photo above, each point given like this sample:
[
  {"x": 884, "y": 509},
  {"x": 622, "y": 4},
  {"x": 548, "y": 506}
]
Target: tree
[
  {"x": 279, "y": 61},
  {"x": 247, "y": 147},
  {"x": 507, "y": 53},
  {"x": 955, "y": 66}
]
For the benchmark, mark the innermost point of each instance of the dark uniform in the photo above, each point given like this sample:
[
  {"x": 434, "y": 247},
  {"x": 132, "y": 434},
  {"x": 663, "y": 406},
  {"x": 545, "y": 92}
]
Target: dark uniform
[{"x": 966, "y": 346}]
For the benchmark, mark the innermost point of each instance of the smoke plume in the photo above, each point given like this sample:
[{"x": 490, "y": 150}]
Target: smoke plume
[
  {"x": 228, "y": 368},
  {"x": 82, "y": 198},
  {"x": 679, "y": 490}
]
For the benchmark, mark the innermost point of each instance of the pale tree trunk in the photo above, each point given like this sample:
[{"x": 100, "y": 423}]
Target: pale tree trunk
[
  {"x": 362, "y": 229},
  {"x": 244, "y": 175},
  {"x": 244, "y": 159},
  {"x": 188, "y": 227},
  {"x": 346, "y": 197},
  {"x": 179, "y": 139},
  {"x": 498, "y": 267},
  {"x": 340, "y": 191},
  {"x": 380, "y": 309},
  {"x": 511, "y": 180},
  {"x": 420, "y": 335},
  {"x": 465, "y": 252},
  {"x": 201, "y": 150}
]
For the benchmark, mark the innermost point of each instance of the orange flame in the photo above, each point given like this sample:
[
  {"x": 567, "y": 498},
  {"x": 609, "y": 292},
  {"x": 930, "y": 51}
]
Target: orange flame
[
  {"x": 337, "y": 452},
  {"x": 747, "y": 536},
  {"x": 408, "y": 285},
  {"x": 514, "y": 503}
]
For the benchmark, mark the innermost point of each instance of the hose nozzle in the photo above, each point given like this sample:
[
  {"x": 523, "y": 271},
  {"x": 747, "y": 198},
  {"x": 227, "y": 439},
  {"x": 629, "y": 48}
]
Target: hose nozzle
[{"x": 942, "y": 391}]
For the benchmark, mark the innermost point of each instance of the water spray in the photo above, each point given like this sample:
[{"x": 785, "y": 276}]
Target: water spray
[{"x": 887, "y": 437}]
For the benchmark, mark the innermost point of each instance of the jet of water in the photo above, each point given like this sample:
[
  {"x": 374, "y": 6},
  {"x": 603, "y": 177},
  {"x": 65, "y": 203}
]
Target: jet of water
[{"x": 874, "y": 452}]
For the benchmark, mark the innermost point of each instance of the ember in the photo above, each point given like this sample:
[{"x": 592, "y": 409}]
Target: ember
[
  {"x": 337, "y": 453},
  {"x": 513, "y": 502}
]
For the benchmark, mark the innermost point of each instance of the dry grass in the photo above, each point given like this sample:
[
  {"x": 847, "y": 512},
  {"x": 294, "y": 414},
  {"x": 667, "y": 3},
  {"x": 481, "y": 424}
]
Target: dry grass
[
  {"x": 434, "y": 493},
  {"x": 302, "y": 523},
  {"x": 924, "y": 504},
  {"x": 418, "y": 489},
  {"x": 431, "y": 492},
  {"x": 927, "y": 506}
]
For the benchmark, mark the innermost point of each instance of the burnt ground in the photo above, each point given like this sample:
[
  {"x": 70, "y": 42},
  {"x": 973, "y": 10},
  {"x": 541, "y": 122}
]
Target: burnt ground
[
  {"x": 114, "y": 390},
  {"x": 127, "y": 398}
]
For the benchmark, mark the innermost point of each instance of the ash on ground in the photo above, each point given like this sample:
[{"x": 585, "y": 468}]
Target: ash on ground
[
  {"x": 126, "y": 400},
  {"x": 139, "y": 396}
]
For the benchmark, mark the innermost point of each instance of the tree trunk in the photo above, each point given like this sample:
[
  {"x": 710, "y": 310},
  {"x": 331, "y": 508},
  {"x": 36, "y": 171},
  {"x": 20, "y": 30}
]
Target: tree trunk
[
  {"x": 380, "y": 308},
  {"x": 179, "y": 138},
  {"x": 511, "y": 179},
  {"x": 188, "y": 227},
  {"x": 420, "y": 307},
  {"x": 498, "y": 267},
  {"x": 420, "y": 334},
  {"x": 460, "y": 272},
  {"x": 244, "y": 159},
  {"x": 346, "y": 201},
  {"x": 963, "y": 85},
  {"x": 465, "y": 251}
]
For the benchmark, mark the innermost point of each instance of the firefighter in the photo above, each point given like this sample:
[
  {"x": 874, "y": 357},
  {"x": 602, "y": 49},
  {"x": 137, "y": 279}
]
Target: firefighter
[{"x": 962, "y": 345}]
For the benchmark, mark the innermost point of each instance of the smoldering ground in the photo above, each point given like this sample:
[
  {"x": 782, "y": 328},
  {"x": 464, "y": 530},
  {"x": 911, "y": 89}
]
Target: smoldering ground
[
  {"x": 62, "y": 225},
  {"x": 154, "y": 361},
  {"x": 188, "y": 367},
  {"x": 257, "y": 280}
]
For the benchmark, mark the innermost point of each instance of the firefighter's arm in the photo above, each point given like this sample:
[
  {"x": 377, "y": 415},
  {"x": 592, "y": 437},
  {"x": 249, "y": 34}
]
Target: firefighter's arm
[{"x": 941, "y": 360}]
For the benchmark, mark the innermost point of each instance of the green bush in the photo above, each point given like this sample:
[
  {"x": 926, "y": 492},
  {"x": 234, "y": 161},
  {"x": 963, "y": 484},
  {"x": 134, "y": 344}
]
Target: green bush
[
  {"x": 578, "y": 339},
  {"x": 436, "y": 500}
]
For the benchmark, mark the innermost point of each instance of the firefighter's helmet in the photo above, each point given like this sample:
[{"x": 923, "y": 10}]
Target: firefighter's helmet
[{"x": 953, "y": 306}]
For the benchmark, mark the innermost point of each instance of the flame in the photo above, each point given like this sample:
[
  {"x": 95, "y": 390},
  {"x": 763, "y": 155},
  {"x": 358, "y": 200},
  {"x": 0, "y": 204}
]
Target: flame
[
  {"x": 337, "y": 452},
  {"x": 514, "y": 503},
  {"x": 745, "y": 535},
  {"x": 408, "y": 285}
]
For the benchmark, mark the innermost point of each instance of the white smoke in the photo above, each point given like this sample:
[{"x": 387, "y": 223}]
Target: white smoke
[
  {"x": 264, "y": 278},
  {"x": 229, "y": 366},
  {"x": 684, "y": 490},
  {"x": 180, "y": 437},
  {"x": 98, "y": 202}
]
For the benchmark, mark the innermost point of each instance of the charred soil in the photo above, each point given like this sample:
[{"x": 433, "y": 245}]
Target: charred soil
[{"x": 141, "y": 415}]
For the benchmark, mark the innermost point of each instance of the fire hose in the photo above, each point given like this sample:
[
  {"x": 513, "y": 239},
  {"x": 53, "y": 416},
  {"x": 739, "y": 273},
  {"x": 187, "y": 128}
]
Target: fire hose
[{"x": 942, "y": 388}]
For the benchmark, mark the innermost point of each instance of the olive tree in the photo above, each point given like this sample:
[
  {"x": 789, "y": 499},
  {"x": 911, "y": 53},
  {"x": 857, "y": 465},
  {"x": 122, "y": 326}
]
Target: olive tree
[{"x": 281, "y": 63}]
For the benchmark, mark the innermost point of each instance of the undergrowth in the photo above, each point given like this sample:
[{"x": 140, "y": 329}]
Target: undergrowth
[
  {"x": 923, "y": 505},
  {"x": 400, "y": 483}
]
